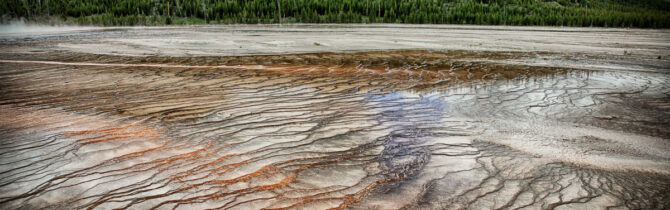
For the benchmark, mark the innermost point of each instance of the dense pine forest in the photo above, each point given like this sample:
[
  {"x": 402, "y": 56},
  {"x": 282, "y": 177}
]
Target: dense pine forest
[{"x": 601, "y": 13}]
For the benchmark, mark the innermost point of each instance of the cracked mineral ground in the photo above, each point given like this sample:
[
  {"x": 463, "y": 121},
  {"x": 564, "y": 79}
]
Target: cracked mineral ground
[{"x": 334, "y": 116}]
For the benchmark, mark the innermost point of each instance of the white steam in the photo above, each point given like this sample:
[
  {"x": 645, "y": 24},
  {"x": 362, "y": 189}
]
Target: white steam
[{"x": 20, "y": 27}]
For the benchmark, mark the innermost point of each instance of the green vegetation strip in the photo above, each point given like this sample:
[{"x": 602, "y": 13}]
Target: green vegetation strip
[{"x": 601, "y": 13}]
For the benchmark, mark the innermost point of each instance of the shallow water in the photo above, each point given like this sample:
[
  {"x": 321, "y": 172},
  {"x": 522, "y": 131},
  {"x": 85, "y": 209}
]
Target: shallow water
[{"x": 370, "y": 130}]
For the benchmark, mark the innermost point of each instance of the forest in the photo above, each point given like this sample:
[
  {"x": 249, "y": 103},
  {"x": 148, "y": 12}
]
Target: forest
[{"x": 596, "y": 13}]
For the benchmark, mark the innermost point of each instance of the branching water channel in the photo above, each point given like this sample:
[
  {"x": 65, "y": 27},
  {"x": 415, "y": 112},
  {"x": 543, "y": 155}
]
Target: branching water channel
[{"x": 410, "y": 129}]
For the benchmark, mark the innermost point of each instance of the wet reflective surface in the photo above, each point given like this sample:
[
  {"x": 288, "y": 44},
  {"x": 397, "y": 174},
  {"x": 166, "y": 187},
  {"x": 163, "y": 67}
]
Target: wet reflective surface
[{"x": 413, "y": 129}]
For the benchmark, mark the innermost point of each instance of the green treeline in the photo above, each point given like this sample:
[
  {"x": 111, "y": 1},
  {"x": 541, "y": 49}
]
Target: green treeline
[{"x": 607, "y": 13}]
